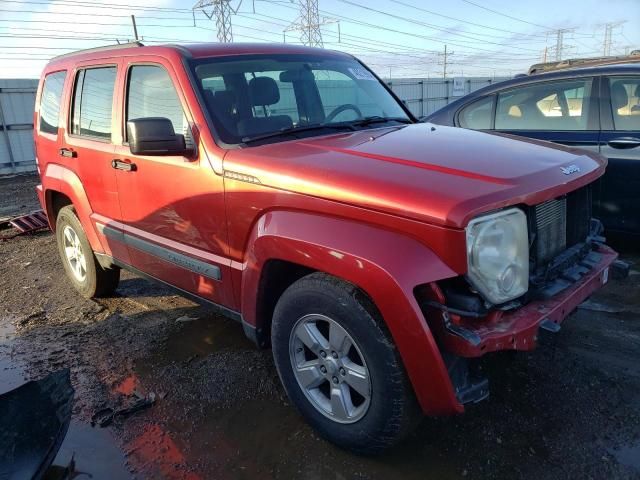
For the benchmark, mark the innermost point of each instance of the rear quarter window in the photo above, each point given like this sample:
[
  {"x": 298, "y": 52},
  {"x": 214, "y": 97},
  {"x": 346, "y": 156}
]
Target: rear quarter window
[
  {"x": 50, "y": 102},
  {"x": 478, "y": 115}
]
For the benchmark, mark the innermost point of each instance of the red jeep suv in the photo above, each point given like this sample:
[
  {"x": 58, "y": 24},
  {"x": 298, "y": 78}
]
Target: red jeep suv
[{"x": 289, "y": 186}]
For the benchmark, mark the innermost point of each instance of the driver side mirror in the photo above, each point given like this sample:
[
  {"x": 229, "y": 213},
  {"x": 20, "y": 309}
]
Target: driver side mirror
[{"x": 155, "y": 136}]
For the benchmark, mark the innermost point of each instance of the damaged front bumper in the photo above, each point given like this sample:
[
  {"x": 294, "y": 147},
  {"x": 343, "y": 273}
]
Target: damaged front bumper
[{"x": 516, "y": 329}]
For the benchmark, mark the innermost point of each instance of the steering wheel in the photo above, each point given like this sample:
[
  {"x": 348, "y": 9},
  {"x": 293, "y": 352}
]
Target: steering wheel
[{"x": 342, "y": 108}]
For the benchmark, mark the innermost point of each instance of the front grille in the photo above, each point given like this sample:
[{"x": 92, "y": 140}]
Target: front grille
[
  {"x": 551, "y": 229},
  {"x": 558, "y": 224}
]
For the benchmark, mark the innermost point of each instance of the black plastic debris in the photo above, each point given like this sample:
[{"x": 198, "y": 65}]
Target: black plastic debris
[
  {"x": 105, "y": 416},
  {"x": 34, "y": 419}
]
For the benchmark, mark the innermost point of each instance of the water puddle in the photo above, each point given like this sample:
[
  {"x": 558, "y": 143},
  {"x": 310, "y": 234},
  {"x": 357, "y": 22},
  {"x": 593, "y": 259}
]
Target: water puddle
[
  {"x": 95, "y": 452},
  {"x": 628, "y": 456},
  {"x": 199, "y": 338},
  {"x": 11, "y": 373}
]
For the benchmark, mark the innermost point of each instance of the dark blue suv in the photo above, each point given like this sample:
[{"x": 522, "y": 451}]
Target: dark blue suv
[{"x": 596, "y": 108}]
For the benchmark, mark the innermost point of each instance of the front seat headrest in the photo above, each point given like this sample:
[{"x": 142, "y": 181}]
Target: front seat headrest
[
  {"x": 619, "y": 96},
  {"x": 263, "y": 91}
]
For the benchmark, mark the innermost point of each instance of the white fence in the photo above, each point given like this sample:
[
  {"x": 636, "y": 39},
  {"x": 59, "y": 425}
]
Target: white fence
[
  {"x": 425, "y": 96},
  {"x": 17, "y": 97}
]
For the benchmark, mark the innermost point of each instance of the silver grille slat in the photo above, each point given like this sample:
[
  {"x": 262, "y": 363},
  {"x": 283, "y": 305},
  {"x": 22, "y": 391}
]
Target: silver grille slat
[{"x": 551, "y": 227}]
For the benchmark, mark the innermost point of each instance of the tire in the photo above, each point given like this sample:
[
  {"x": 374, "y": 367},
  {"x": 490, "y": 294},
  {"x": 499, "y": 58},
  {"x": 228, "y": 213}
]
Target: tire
[
  {"x": 84, "y": 271},
  {"x": 320, "y": 307}
]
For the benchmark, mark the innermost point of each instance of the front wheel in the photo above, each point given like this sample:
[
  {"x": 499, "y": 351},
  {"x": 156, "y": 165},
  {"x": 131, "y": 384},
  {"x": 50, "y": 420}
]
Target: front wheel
[
  {"x": 339, "y": 365},
  {"x": 81, "y": 265}
]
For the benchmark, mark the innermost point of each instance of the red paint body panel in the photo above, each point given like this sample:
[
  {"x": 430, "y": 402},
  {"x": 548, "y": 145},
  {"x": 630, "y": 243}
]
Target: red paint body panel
[
  {"x": 518, "y": 329},
  {"x": 386, "y": 265},
  {"x": 383, "y": 208}
]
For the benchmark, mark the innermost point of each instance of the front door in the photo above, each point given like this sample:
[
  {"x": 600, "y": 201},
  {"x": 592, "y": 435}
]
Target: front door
[
  {"x": 173, "y": 213},
  {"x": 561, "y": 111},
  {"x": 620, "y": 143}
]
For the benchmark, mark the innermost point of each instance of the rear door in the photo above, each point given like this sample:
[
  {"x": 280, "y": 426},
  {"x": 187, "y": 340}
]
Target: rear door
[
  {"x": 620, "y": 143},
  {"x": 88, "y": 144},
  {"x": 560, "y": 111}
]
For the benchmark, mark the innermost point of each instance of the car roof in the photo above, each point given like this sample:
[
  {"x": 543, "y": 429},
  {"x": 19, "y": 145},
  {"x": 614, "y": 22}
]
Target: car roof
[
  {"x": 568, "y": 74},
  {"x": 200, "y": 50}
]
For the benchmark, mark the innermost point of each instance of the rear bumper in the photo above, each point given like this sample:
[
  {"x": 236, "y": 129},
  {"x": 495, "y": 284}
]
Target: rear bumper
[{"x": 518, "y": 329}]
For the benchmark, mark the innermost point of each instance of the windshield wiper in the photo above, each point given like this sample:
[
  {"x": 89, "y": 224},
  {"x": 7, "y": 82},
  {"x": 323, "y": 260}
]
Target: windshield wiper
[
  {"x": 378, "y": 119},
  {"x": 294, "y": 130}
]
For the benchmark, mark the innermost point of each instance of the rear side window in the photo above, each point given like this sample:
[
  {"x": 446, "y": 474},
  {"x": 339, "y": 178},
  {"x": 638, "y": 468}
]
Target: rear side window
[
  {"x": 546, "y": 106},
  {"x": 50, "y": 102},
  {"x": 152, "y": 94},
  {"x": 625, "y": 102},
  {"x": 93, "y": 102},
  {"x": 478, "y": 115}
]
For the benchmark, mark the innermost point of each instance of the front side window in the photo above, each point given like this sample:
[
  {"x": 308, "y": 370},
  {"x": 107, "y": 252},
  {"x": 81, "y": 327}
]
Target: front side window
[
  {"x": 625, "y": 102},
  {"x": 50, "y": 102},
  {"x": 252, "y": 96},
  {"x": 478, "y": 115},
  {"x": 546, "y": 106},
  {"x": 93, "y": 102},
  {"x": 151, "y": 93}
]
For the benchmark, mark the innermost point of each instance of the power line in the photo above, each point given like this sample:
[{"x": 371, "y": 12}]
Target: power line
[
  {"x": 505, "y": 15},
  {"x": 433, "y": 27},
  {"x": 466, "y": 21}
]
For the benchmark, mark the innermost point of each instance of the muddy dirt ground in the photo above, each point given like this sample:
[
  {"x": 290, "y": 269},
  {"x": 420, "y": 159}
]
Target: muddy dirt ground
[{"x": 571, "y": 409}]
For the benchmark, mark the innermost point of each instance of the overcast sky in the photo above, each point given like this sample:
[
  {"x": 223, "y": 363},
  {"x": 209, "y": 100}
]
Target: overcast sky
[{"x": 400, "y": 38}]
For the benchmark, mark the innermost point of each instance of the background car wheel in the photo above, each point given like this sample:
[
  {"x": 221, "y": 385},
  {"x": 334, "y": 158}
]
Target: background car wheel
[
  {"x": 81, "y": 265},
  {"x": 339, "y": 366}
]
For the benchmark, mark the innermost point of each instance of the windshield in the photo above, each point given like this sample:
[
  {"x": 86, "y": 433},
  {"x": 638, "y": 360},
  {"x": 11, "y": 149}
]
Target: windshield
[{"x": 253, "y": 97}]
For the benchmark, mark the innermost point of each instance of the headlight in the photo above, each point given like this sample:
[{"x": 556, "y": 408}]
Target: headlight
[{"x": 498, "y": 255}]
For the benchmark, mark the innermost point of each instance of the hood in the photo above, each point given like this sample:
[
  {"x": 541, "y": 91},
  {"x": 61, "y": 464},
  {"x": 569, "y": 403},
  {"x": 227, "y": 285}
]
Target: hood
[{"x": 441, "y": 175}]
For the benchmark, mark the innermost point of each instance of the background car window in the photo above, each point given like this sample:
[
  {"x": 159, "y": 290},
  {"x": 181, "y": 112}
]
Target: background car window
[
  {"x": 545, "y": 106},
  {"x": 625, "y": 102},
  {"x": 50, "y": 102},
  {"x": 93, "y": 102},
  {"x": 478, "y": 115},
  {"x": 151, "y": 94}
]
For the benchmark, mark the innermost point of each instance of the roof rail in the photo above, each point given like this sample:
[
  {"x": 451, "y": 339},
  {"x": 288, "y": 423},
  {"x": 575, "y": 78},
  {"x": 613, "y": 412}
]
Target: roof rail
[
  {"x": 583, "y": 62},
  {"x": 99, "y": 49}
]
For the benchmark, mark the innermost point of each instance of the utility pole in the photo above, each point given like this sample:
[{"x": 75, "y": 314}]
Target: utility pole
[
  {"x": 608, "y": 36},
  {"x": 135, "y": 28},
  {"x": 560, "y": 41},
  {"x": 544, "y": 55},
  {"x": 308, "y": 24},
  {"x": 445, "y": 58},
  {"x": 222, "y": 10}
]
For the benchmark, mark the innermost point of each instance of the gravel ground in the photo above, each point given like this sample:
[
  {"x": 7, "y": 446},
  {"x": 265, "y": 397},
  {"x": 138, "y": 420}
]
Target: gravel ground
[{"x": 571, "y": 409}]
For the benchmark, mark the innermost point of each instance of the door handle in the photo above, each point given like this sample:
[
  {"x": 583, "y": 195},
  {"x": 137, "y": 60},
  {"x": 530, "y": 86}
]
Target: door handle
[
  {"x": 67, "y": 152},
  {"x": 624, "y": 142},
  {"x": 125, "y": 165}
]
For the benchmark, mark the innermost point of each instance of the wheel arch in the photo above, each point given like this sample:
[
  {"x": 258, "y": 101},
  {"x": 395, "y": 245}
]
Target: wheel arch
[
  {"x": 381, "y": 263},
  {"x": 63, "y": 187}
]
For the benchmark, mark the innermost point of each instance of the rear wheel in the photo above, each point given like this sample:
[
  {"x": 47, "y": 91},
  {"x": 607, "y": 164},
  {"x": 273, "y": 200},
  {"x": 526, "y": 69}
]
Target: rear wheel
[
  {"x": 81, "y": 265},
  {"x": 339, "y": 365}
]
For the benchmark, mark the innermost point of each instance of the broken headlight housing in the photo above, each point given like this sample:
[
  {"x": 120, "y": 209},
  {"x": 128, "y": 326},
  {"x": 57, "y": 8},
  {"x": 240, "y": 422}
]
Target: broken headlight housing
[{"x": 498, "y": 255}]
